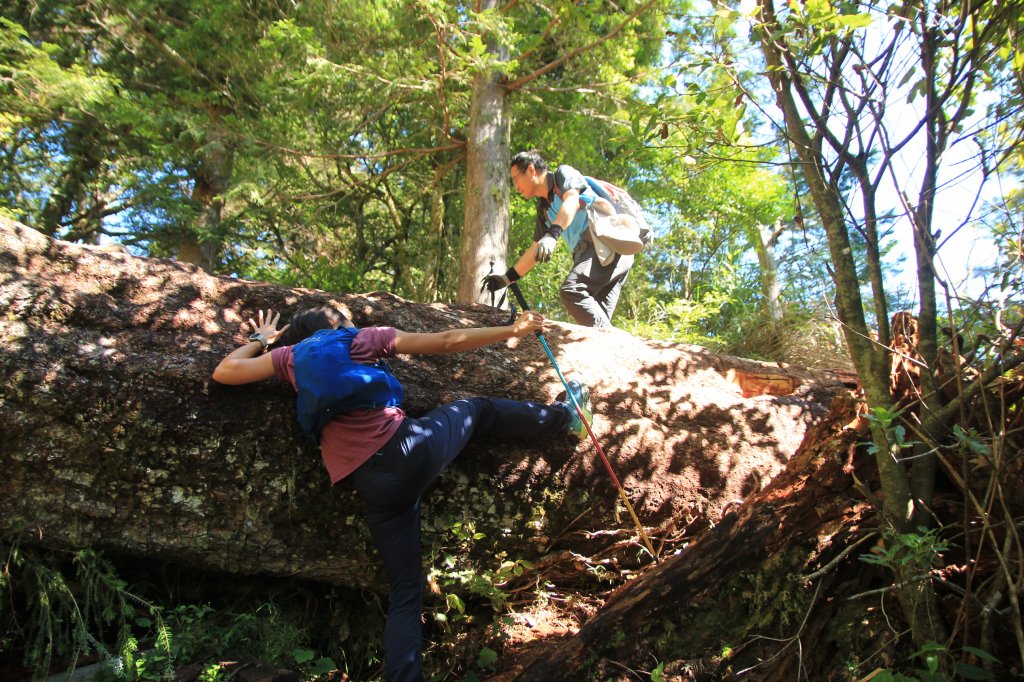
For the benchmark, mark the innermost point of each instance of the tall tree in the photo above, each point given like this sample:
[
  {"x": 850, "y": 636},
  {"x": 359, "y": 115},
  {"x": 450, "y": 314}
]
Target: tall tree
[
  {"x": 584, "y": 52},
  {"x": 485, "y": 225},
  {"x": 839, "y": 90}
]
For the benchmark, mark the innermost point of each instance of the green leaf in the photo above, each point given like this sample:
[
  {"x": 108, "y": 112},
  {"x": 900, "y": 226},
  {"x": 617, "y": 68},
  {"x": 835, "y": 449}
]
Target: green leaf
[
  {"x": 980, "y": 653},
  {"x": 906, "y": 77},
  {"x": 971, "y": 672},
  {"x": 854, "y": 20},
  {"x": 303, "y": 655},
  {"x": 486, "y": 658},
  {"x": 323, "y": 665},
  {"x": 455, "y": 602}
]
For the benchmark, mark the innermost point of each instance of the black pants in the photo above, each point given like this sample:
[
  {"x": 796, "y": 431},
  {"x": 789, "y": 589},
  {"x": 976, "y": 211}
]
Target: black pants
[{"x": 591, "y": 291}]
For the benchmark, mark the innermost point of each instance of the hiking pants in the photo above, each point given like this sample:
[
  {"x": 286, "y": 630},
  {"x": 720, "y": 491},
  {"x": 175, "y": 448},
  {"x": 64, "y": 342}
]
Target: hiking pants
[
  {"x": 390, "y": 485},
  {"x": 591, "y": 291}
]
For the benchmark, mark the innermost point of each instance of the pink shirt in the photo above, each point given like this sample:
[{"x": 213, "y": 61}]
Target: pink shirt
[{"x": 351, "y": 438}]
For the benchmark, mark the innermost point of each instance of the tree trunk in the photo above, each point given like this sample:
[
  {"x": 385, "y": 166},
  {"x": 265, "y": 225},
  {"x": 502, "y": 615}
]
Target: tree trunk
[
  {"x": 114, "y": 437},
  {"x": 437, "y": 250},
  {"x": 434, "y": 257},
  {"x": 874, "y": 257},
  {"x": 917, "y": 600},
  {"x": 201, "y": 246},
  {"x": 485, "y": 227},
  {"x": 764, "y": 244}
]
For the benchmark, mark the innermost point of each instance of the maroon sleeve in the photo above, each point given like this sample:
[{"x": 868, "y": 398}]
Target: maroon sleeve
[
  {"x": 284, "y": 364},
  {"x": 373, "y": 343}
]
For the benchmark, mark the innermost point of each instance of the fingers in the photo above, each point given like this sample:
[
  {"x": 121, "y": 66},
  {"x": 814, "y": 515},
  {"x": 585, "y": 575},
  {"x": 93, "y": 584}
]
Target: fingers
[
  {"x": 530, "y": 321},
  {"x": 265, "y": 319},
  {"x": 277, "y": 334},
  {"x": 495, "y": 282}
]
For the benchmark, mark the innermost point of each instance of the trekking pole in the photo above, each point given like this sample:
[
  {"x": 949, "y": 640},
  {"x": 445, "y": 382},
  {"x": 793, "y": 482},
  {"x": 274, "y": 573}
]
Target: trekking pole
[
  {"x": 579, "y": 410},
  {"x": 497, "y": 306}
]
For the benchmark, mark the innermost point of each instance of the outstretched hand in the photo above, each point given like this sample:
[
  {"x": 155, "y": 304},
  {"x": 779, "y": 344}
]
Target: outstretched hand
[
  {"x": 528, "y": 321},
  {"x": 495, "y": 282},
  {"x": 267, "y": 325}
]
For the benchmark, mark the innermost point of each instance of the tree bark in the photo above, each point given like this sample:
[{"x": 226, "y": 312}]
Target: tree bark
[
  {"x": 485, "y": 227},
  {"x": 211, "y": 179},
  {"x": 114, "y": 436},
  {"x": 764, "y": 238}
]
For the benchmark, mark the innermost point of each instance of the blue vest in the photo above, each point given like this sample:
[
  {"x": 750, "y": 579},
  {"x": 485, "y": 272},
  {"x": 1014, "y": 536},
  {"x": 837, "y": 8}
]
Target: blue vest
[{"x": 330, "y": 383}]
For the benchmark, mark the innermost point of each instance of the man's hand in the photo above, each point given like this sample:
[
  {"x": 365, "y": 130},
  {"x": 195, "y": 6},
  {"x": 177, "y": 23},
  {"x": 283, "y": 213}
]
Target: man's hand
[
  {"x": 267, "y": 325},
  {"x": 499, "y": 282},
  {"x": 545, "y": 247},
  {"x": 528, "y": 321},
  {"x": 496, "y": 282}
]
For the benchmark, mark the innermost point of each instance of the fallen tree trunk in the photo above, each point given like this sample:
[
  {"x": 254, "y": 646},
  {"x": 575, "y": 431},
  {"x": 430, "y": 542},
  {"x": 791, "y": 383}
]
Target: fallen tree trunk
[{"x": 114, "y": 437}]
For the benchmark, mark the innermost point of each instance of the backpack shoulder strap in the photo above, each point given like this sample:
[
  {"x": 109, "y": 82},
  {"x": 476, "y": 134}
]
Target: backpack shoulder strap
[{"x": 606, "y": 190}]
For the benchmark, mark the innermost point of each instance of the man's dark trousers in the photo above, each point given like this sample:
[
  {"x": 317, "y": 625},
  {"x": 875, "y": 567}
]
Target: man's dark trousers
[{"x": 591, "y": 291}]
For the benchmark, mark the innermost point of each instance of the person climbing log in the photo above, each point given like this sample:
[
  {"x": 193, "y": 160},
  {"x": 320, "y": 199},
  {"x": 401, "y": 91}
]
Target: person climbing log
[{"x": 350, "y": 402}]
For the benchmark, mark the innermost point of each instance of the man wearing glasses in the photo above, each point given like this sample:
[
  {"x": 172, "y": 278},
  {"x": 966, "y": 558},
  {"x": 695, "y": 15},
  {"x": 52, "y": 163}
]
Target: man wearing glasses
[{"x": 591, "y": 290}]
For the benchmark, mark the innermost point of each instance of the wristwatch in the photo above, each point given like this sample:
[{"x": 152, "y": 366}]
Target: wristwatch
[{"x": 259, "y": 337}]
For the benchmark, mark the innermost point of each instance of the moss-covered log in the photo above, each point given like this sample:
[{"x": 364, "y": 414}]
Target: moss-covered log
[{"x": 114, "y": 436}]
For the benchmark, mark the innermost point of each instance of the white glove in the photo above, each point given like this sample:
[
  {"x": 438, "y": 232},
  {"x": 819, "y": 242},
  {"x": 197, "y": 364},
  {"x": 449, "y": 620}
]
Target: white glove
[{"x": 545, "y": 247}]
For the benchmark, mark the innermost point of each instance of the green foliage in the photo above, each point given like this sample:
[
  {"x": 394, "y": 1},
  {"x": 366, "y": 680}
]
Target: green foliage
[
  {"x": 895, "y": 433},
  {"x": 457, "y": 578},
  {"x": 776, "y": 597},
  {"x": 935, "y": 658},
  {"x": 904, "y": 554},
  {"x": 69, "y": 611},
  {"x": 56, "y": 607},
  {"x": 470, "y": 588},
  {"x": 679, "y": 320}
]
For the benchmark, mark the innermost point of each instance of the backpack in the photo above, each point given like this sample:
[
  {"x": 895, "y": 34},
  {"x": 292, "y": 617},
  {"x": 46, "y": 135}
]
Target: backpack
[
  {"x": 330, "y": 383},
  {"x": 617, "y": 225},
  {"x": 627, "y": 230}
]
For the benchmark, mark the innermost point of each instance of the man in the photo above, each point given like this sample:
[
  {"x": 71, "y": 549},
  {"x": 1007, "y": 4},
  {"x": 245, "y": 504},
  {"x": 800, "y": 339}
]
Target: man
[
  {"x": 366, "y": 438},
  {"x": 591, "y": 290}
]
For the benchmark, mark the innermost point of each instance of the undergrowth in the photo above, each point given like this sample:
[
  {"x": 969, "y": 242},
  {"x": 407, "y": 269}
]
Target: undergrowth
[{"x": 61, "y": 610}]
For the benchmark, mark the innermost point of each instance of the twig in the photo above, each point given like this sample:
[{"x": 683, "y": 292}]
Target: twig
[
  {"x": 789, "y": 641},
  {"x": 629, "y": 670},
  {"x": 839, "y": 557}
]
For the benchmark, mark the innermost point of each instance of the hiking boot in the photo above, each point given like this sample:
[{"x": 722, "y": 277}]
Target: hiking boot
[{"x": 576, "y": 427}]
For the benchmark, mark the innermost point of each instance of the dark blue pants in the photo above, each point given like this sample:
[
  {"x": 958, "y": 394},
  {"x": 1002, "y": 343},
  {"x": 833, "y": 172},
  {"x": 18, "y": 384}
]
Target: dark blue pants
[{"x": 391, "y": 482}]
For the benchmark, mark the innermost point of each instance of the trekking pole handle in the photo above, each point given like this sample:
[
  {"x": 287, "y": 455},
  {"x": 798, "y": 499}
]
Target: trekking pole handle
[{"x": 517, "y": 292}]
